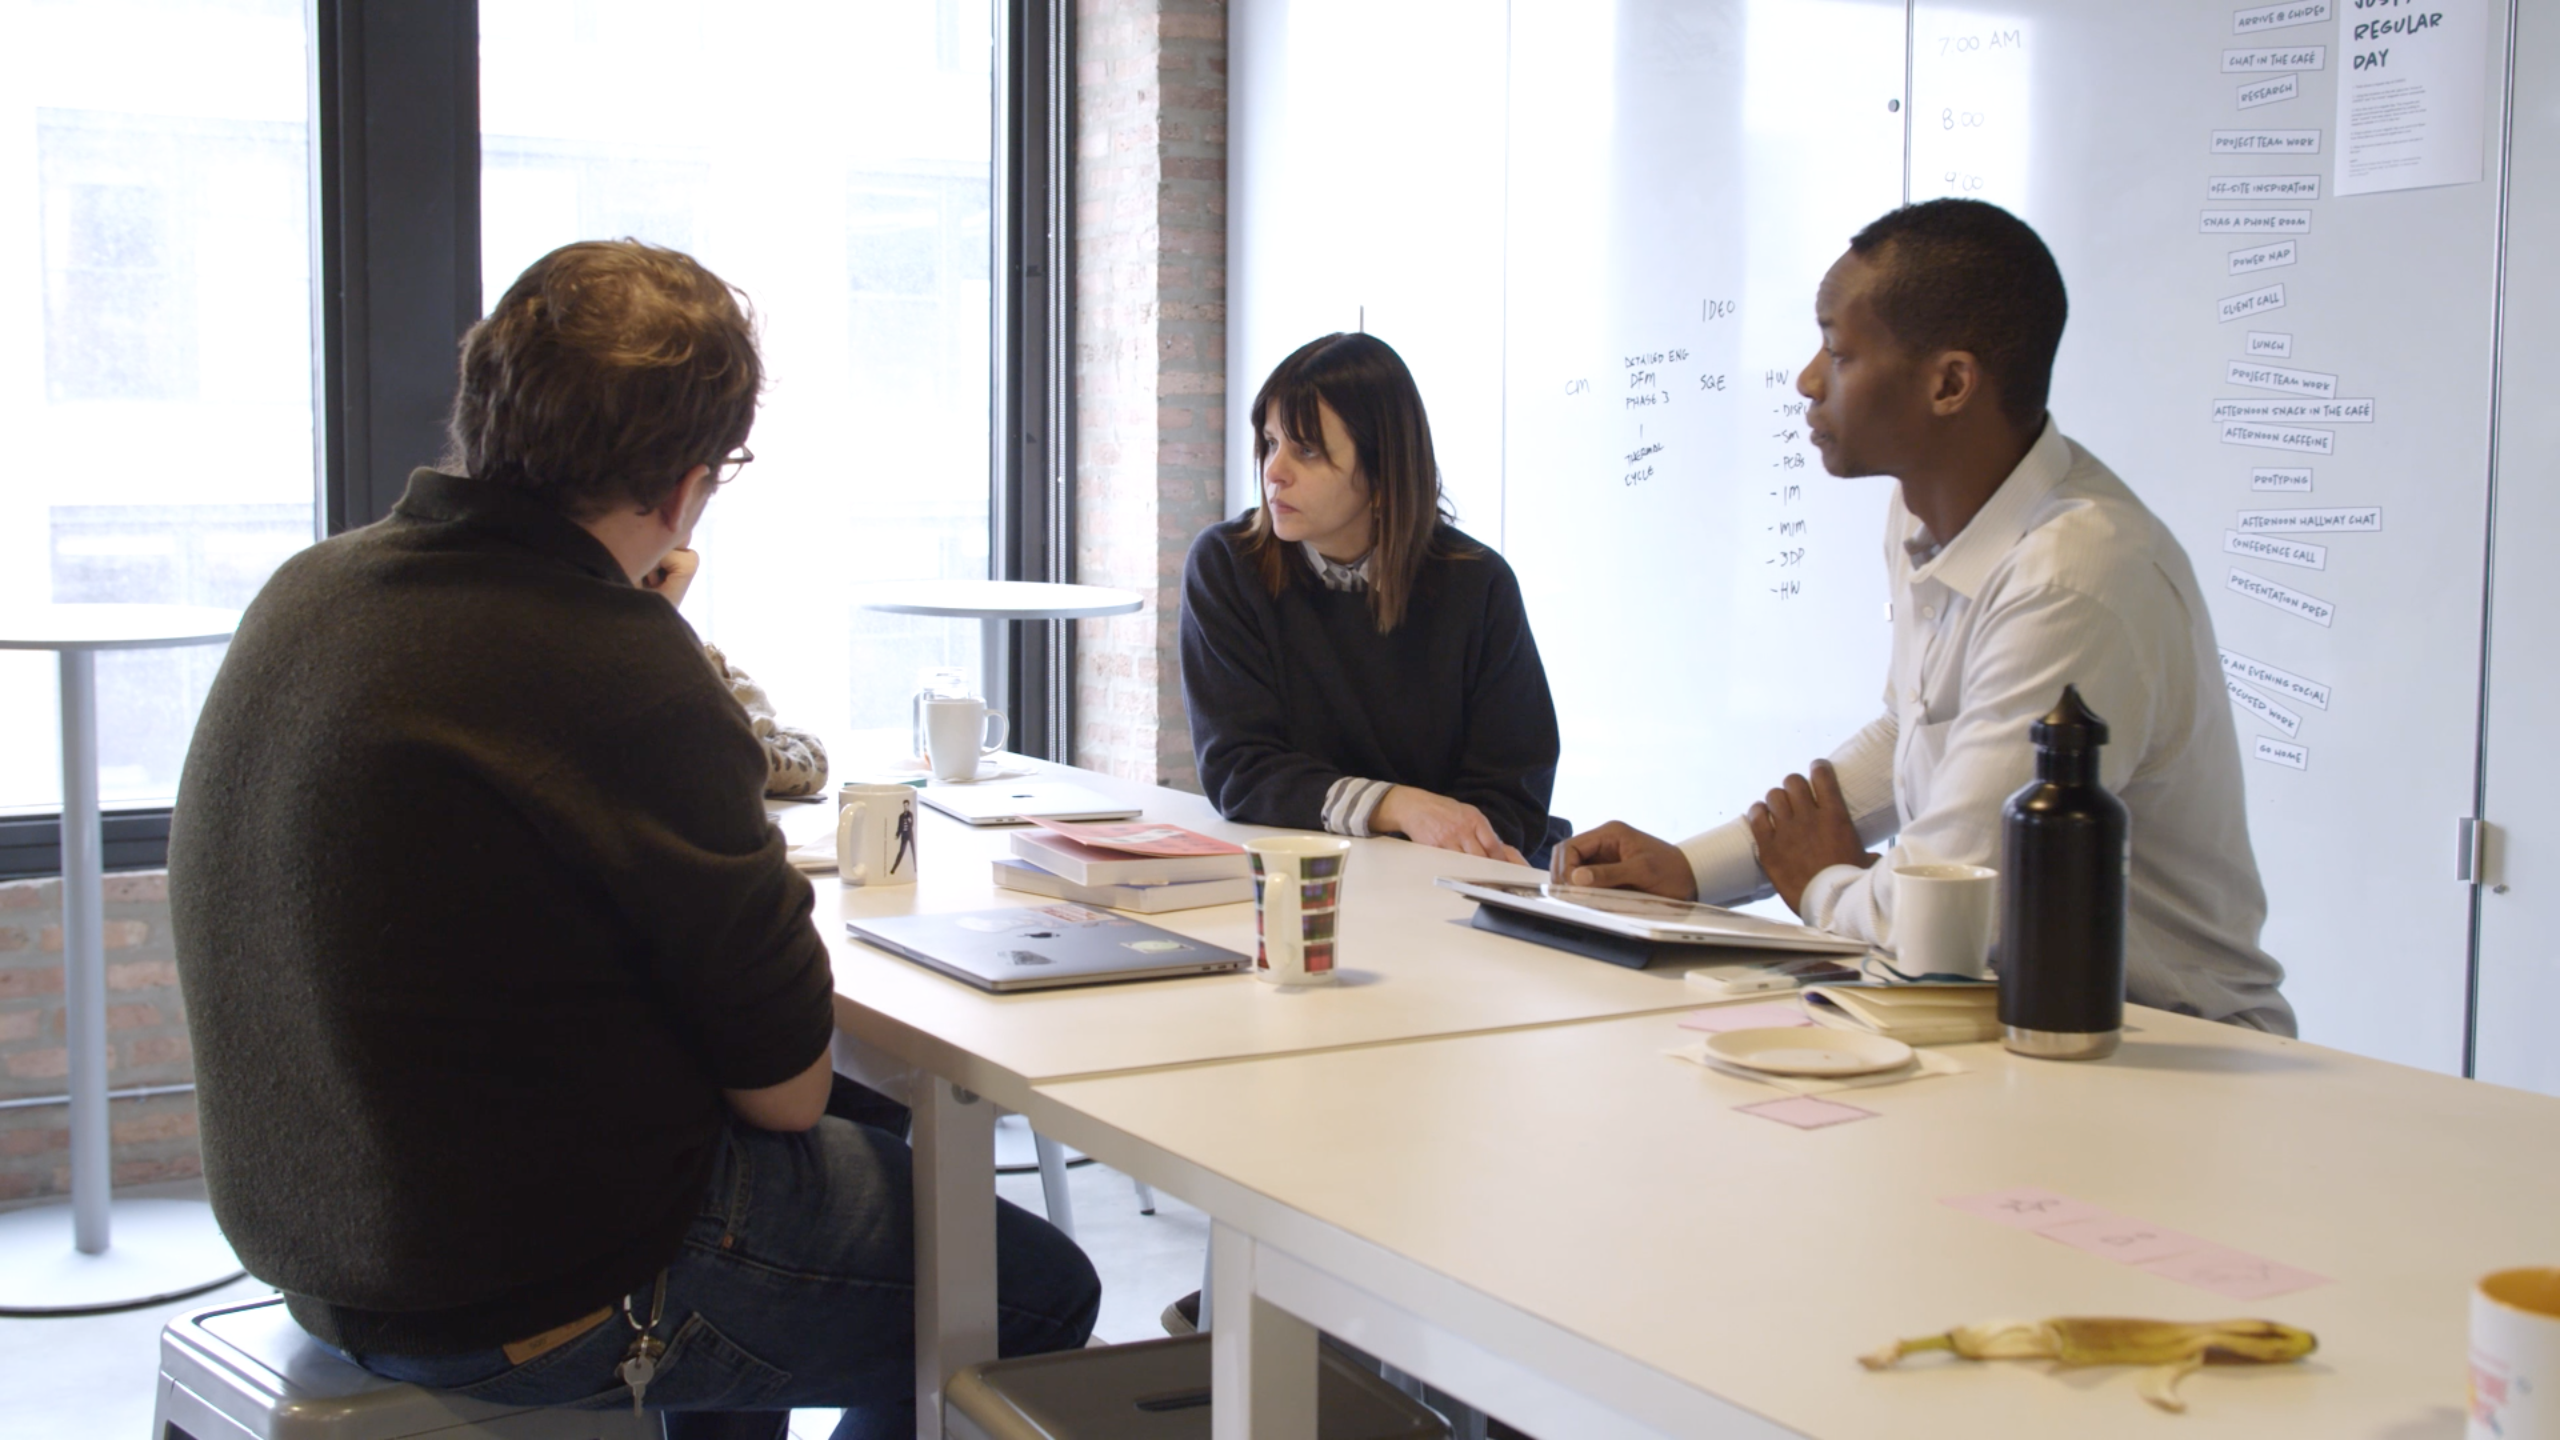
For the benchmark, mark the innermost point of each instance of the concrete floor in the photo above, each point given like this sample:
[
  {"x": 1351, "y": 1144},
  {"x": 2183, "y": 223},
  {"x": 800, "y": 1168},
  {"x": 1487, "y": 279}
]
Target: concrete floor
[{"x": 91, "y": 1377}]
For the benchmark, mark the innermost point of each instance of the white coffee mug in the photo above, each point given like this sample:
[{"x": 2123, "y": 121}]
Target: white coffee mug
[
  {"x": 876, "y": 835},
  {"x": 2515, "y": 1356},
  {"x": 1297, "y": 892},
  {"x": 1942, "y": 919},
  {"x": 959, "y": 733}
]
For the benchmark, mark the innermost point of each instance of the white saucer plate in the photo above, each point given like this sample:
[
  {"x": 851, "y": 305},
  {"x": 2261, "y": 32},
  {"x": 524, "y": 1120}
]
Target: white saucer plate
[{"x": 1797, "y": 1050}]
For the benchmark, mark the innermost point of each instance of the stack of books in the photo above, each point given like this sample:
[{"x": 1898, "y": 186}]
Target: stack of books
[{"x": 1131, "y": 865}]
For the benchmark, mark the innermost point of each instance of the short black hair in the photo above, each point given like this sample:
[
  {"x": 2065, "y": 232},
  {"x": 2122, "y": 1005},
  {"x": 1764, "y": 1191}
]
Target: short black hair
[{"x": 1965, "y": 275}]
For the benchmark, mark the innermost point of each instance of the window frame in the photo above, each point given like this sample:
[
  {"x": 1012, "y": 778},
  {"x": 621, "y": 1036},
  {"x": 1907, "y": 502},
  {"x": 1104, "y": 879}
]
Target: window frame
[
  {"x": 395, "y": 187},
  {"x": 1031, "y": 429}
]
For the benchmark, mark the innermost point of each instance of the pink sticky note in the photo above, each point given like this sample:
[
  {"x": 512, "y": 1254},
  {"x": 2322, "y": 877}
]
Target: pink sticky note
[
  {"x": 2234, "y": 1273},
  {"x": 2028, "y": 1208},
  {"x": 1762, "y": 1016},
  {"x": 2131, "y": 1242},
  {"x": 1806, "y": 1112}
]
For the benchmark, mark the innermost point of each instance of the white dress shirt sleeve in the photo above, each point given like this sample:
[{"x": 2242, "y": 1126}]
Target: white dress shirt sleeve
[
  {"x": 2022, "y": 655},
  {"x": 1726, "y": 864}
]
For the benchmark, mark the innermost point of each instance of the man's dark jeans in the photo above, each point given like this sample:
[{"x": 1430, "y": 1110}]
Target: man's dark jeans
[{"x": 795, "y": 1288}]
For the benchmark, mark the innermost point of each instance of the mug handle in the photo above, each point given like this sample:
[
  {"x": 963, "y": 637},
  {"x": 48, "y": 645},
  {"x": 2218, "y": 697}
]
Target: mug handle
[
  {"x": 1003, "y": 729},
  {"x": 849, "y": 842}
]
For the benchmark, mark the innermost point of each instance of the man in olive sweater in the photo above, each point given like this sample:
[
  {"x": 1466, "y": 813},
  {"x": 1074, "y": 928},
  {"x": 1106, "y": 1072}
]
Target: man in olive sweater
[{"x": 511, "y": 1019}]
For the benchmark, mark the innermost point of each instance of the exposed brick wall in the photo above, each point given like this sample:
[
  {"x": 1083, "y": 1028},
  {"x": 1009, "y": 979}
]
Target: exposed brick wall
[
  {"x": 1150, "y": 348},
  {"x": 153, "y": 1138}
]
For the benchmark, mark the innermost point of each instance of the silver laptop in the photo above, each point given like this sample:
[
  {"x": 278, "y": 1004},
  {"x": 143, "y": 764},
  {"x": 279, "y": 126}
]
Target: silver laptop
[
  {"x": 1015, "y": 802},
  {"x": 1043, "y": 947}
]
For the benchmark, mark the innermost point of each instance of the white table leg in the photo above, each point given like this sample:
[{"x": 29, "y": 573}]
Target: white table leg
[
  {"x": 84, "y": 954},
  {"x": 171, "y": 1247},
  {"x": 955, "y": 1176},
  {"x": 1262, "y": 1359},
  {"x": 991, "y": 638}
]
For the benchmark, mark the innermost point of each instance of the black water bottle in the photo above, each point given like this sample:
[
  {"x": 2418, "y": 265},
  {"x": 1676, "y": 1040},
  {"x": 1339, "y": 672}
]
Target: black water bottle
[{"x": 2066, "y": 853}]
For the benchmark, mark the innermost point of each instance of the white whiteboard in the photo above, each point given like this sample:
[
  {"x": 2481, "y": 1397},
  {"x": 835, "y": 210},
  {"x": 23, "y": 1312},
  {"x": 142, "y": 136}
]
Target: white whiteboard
[
  {"x": 2100, "y": 133},
  {"x": 1676, "y": 538},
  {"x": 1663, "y": 160}
]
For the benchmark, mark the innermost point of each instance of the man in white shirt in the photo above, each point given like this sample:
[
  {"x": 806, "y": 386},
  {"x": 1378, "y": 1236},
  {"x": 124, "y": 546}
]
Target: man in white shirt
[{"x": 2019, "y": 564}]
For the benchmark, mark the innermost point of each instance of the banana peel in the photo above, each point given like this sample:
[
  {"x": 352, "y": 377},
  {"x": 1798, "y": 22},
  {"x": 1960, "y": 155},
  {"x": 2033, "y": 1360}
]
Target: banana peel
[{"x": 2174, "y": 1349}]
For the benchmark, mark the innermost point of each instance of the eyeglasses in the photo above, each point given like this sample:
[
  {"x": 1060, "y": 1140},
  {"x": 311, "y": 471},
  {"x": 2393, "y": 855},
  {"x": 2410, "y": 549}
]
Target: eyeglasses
[{"x": 727, "y": 469}]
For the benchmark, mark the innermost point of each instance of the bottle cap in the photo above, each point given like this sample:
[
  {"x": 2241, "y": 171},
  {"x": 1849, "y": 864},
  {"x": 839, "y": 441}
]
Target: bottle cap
[{"x": 2071, "y": 726}]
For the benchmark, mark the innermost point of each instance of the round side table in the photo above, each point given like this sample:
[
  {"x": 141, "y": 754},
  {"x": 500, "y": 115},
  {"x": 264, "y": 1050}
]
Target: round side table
[
  {"x": 164, "y": 1248},
  {"x": 995, "y": 603}
]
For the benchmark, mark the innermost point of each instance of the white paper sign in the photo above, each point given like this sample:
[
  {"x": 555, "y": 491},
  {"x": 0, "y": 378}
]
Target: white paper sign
[
  {"x": 2362, "y": 518},
  {"x": 2281, "y": 437},
  {"x": 2285, "y": 753},
  {"x": 2255, "y": 222},
  {"x": 2277, "y": 377},
  {"x": 2277, "y": 17},
  {"x": 2262, "y": 187},
  {"x": 2262, "y": 706},
  {"x": 2266, "y": 142},
  {"x": 2256, "y": 302},
  {"x": 2267, "y": 92},
  {"x": 2268, "y": 677},
  {"x": 2412, "y": 90},
  {"x": 2283, "y": 597},
  {"x": 2300, "y": 553},
  {"x": 2298, "y": 57},
  {"x": 2357, "y": 411},
  {"x": 2264, "y": 257}
]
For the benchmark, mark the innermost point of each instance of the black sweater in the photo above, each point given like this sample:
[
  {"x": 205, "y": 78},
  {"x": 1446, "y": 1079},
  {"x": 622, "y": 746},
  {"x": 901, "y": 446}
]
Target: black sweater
[
  {"x": 1292, "y": 692},
  {"x": 477, "y": 912}
]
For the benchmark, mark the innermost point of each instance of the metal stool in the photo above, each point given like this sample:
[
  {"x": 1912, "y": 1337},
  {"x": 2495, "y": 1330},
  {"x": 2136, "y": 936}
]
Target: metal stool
[
  {"x": 1155, "y": 1390},
  {"x": 247, "y": 1372}
]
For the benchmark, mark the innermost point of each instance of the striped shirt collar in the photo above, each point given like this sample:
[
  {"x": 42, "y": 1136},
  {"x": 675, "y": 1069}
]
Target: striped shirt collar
[
  {"x": 1963, "y": 563},
  {"x": 1336, "y": 575}
]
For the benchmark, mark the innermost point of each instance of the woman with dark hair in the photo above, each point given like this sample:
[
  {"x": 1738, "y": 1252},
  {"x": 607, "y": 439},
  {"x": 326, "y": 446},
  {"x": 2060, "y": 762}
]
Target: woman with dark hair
[{"x": 1350, "y": 660}]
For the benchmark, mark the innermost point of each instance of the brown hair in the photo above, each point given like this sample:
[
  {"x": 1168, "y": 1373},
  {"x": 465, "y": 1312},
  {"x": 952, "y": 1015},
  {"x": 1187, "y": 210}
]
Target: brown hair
[
  {"x": 1366, "y": 384},
  {"x": 605, "y": 373}
]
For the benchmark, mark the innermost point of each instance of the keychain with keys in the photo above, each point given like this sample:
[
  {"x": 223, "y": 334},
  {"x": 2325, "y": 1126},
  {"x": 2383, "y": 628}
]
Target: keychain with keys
[{"x": 640, "y": 1363}]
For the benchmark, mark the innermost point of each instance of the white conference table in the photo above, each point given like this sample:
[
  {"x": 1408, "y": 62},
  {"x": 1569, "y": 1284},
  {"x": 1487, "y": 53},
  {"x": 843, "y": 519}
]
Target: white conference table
[
  {"x": 1634, "y": 1258},
  {"x": 1411, "y": 969}
]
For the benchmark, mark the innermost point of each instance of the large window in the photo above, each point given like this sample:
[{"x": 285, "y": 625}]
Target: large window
[
  {"x": 830, "y": 158},
  {"x": 156, "y": 373}
]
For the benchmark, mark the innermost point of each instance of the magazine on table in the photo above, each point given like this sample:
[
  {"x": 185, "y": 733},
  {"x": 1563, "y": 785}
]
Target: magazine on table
[{"x": 1140, "y": 837}]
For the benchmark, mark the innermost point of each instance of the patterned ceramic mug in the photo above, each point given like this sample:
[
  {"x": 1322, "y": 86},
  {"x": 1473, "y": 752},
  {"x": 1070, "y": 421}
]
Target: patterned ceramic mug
[{"x": 1297, "y": 892}]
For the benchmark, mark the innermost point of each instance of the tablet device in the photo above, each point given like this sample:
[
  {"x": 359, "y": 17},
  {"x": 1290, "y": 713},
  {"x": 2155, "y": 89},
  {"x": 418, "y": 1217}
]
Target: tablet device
[
  {"x": 1639, "y": 916},
  {"x": 1043, "y": 947}
]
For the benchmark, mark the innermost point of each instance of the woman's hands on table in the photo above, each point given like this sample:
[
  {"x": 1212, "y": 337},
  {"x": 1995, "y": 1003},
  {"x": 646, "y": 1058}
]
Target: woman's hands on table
[{"x": 1436, "y": 820}]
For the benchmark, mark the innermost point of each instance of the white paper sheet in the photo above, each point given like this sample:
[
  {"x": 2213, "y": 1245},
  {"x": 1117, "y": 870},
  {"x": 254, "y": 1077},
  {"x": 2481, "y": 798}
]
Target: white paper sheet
[{"x": 2412, "y": 91}]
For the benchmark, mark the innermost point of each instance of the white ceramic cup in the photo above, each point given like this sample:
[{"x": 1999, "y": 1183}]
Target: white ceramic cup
[
  {"x": 2515, "y": 1356},
  {"x": 876, "y": 835},
  {"x": 958, "y": 733},
  {"x": 1297, "y": 891},
  {"x": 1942, "y": 919}
]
